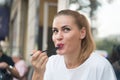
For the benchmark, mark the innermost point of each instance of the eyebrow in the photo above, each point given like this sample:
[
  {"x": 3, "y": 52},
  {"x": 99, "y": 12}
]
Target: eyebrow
[
  {"x": 62, "y": 26},
  {"x": 65, "y": 26},
  {"x": 54, "y": 28}
]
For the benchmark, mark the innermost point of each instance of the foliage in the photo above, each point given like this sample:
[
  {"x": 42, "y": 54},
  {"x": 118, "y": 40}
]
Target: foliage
[
  {"x": 91, "y": 7},
  {"x": 107, "y": 43}
]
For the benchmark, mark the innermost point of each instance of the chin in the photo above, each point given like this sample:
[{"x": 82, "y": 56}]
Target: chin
[{"x": 60, "y": 53}]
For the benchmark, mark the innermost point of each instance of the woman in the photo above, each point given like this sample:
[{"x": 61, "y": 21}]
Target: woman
[{"x": 75, "y": 59}]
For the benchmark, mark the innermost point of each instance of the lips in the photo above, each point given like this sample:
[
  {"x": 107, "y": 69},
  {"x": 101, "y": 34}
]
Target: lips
[{"x": 60, "y": 46}]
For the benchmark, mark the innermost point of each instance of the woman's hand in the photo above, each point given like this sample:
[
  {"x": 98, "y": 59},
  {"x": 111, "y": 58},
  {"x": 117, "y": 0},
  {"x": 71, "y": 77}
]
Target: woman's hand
[{"x": 39, "y": 61}]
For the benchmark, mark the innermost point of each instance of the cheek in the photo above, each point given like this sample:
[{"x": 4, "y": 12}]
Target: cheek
[
  {"x": 53, "y": 38},
  {"x": 73, "y": 39},
  {"x": 73, "y": 44}
]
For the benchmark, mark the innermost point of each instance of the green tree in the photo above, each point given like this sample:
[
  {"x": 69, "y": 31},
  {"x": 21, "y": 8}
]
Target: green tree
[{"x": 107, "y": 43}]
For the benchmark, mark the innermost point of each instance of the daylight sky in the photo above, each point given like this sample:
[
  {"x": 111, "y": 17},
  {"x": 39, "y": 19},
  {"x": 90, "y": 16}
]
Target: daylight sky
[{"x": 109, "y": 19}]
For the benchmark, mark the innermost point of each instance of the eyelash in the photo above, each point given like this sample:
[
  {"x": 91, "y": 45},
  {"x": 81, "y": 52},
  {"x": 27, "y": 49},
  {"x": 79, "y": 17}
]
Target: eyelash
[
  {"x": 54, "y": 30},
  {"x": 64, "y": 30}
]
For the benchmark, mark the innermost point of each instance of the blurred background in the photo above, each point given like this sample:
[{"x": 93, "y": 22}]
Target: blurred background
[{"x": 26, "y": 24}]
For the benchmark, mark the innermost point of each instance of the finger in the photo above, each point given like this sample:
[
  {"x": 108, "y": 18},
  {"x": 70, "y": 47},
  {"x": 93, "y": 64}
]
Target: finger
[
  {"x": 36, "y": 58},
  {"x": 33, "y": 51},
  {"x": 44, "y": 64},
  {"x": 42, "y": 54},
  {"x": 42, "y": 59},
  {"x": 36, "y": 55}
]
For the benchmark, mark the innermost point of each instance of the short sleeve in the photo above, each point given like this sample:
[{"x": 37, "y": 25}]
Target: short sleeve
[{"x": 108, "y": 73}]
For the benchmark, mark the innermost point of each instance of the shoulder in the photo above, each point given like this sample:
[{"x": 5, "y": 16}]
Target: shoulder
[
  {"x": 5, "y": 57},
  {"x": 100, "y": 64},
  {"x": 99, "y": 61},
  {"x": 103, "y": 67},
  {"x": 8, "y": 59},
  {"x": 98, "y": 58}
]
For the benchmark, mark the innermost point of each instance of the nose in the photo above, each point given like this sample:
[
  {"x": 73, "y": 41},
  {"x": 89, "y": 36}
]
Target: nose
[{"x": 59, "y": 35}]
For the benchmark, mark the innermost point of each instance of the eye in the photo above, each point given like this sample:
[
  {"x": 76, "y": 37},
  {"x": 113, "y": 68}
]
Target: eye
[
  {"x": 54, "y": 30},
  {"x": 66, "y": 29}
]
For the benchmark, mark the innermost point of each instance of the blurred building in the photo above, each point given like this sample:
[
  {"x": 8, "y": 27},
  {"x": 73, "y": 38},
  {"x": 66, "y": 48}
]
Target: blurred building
[
  {"x": 5, "y": 6},
  {"x": 31, "y": 23}
]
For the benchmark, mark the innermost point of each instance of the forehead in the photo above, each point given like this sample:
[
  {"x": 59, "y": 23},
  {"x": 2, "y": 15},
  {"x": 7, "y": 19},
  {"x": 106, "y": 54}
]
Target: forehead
[{"x": 63, "y": 20}]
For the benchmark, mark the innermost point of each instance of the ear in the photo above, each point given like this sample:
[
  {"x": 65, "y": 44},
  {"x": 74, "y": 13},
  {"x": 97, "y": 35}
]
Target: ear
[{"x": 82, "y": 33}]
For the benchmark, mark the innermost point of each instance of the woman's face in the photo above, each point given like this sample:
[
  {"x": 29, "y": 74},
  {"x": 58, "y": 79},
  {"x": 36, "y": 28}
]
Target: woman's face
[{"x": 66, "y": 34}]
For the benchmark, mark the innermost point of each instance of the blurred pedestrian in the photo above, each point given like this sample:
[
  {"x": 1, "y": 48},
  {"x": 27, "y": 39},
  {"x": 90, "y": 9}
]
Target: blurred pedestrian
[
  {"x": 20, "y": 65},
  {"x": 7, "y": 68},
  {"x": 115, "y": 60}
]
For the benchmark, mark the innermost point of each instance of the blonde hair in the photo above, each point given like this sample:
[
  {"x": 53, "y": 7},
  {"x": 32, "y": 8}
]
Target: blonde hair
[{"x": 87, "y": 44}]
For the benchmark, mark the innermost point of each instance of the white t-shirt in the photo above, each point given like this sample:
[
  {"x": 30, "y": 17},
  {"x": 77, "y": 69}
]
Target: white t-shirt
[{"x": 95, "y": 67}]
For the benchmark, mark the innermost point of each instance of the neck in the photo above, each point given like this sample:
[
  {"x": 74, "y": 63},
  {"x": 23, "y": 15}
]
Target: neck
[
  {"x": 72, "y": 63},
  {"x": 73, "y": 60}
]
